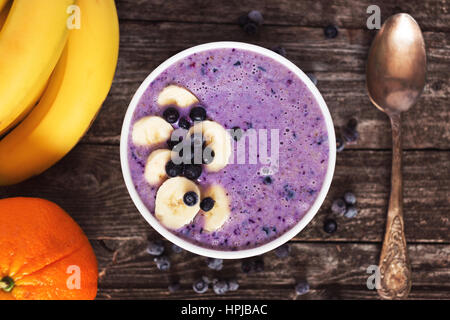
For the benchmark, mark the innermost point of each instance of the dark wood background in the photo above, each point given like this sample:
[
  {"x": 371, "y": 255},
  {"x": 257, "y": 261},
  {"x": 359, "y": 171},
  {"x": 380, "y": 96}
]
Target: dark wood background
[{"x": 88, "y": 182}]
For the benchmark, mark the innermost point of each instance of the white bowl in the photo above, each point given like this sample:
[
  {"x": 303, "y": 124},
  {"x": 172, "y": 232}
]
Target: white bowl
[{"x": 288, "y": 235}]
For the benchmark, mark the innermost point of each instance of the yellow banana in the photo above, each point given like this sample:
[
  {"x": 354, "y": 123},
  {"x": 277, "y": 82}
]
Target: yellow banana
[
  {"x": 4, "y": 10},
  {"x": 76, "y": 91},
  {"x": 31, "y": 42}
]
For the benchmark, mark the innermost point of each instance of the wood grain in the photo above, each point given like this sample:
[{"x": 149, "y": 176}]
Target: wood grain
[
  {"x": 334, "y": 271},
  {"x": 430, "y": 14},
  {"x": 338, "y": 64},
  {"x": 88, "y": 183}
]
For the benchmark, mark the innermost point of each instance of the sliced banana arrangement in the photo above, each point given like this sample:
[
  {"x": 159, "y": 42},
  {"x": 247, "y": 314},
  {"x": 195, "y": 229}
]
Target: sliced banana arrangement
[
  {"x": 151, "y": 130},
  {"x": 177, "y": 202},
  {"x": 217, "y": 139},
  {"x": 178, "y": 197},
  {"x": 215, "y": 208},
  {"x": 155, "y": 168},
  {"x": 176, "y": 95}
]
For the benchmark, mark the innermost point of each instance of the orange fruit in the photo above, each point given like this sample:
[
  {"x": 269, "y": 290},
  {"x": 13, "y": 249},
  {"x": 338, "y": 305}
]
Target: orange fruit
[{"x": 44, "y": 254}]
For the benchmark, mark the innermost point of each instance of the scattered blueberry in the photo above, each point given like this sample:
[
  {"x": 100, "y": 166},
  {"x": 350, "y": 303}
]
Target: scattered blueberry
[
  {"x": 247, "y": 266},
  {"x": 200, "y": 286},
  {"x": 155, "y": 248},
  {"x": 184, "y": 123},
  {"x": 340, "y": 143},
  {"x": 236, "y": 133},
  {"x": 220, "y": 287},
  {"x": 258, "y": 265},
  {"x": 350, "y": 197},
  {"x": 330, "y": 31},
  {"x": 313, "y": 78},
  {"x": 171, "y": 115},
  {"x": 256, "y": 17},
  {"x": 329, "y": 226},
  {"x": 208, "y": 155},
  {"x": 283, "y": 251},
  {"x": 172, "y": 143},
  {"x": 174, "y": 287},
  {"x": 198, "y": 114},
  {"x": 280, "y": 50},
  {"x": 173, "y": 169},
  {"x": 349, "y": 134},
  {"x": 351, "y": 212},
  {"x": 162, "y": 263},
  {"x": 192, "y": 171},
  {"x": 267, "y": 180},
  {"x": 339, "y": 206},
  {"x": 176, "y": 249},
  {"x": 207, "y": 204},
  {"x": 215, "y": 264},
  {"x": 190, "y": 198},
  {"x": 302, "y": 288},
  {"x": 233, "y": 285}
]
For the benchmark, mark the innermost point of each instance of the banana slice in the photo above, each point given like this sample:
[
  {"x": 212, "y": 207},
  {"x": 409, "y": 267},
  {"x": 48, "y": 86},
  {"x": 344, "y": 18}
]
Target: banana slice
[
  {"x": 155, "y": 169},
  {"x": 151, "y": 130},
  {"x": 219, "y": 214},
  {"x": 176, "y": 95},
  {"x": 218, "y": 139},
  {"x": 170, "y": 208}
]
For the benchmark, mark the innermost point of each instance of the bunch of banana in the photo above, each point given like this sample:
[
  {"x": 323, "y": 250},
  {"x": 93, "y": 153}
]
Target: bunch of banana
[{"x": 53, "y": 80}]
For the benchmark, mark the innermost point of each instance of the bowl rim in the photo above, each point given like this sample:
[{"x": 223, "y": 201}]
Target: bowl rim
[{"x": 197, "y": 249}]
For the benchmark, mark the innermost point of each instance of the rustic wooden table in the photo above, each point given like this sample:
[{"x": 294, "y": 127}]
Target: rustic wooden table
[{"x": 88, "y": 182}]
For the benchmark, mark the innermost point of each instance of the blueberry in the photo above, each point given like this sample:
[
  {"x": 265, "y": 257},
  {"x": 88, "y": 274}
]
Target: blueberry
[
  {"x": 236, "y": 133},
  {"x": 190, "y": 198},
  {"x": 351, "y": 212},
  {"x": 173, "y": 169},
  {"x": 172, "y": 143},
  {"x": 220, "y": 287},
  {"x": 258, "y": 265},
  {"x": 302, "y": 288},
  {"x": 256, "y": 17},
  {"x": 162, "y": 263},
  {"x": 329, "y": 226},
  {"x": 200, "y": 286},
  {"x": 283, "y": 251},
  {"x": 171, "y": 115},
  {"x": 192, "y": 171},
  {"x": 339, "y": 206},
  {"x": 215, "y": 264},
  {"x": 207, "y": 204},
  {"x": 313, "y": 78},
  {"x": 247, "y": 266},
  {"x": 349, "y": 134},
  {"x": 184, "y": 123},
  {"x": 280, "y": 50},
  {"x": 251, "y": 28},
  {"x": 233, "y": 285},
  {"x": 352, "y": 124},
  {"x": 176, "y": 249},
  {"x": 174, "y": 287},
  {"x": 340, "y": 143},
  {"x": 267, "y": 180},
  {"x": 330, "y": 31},
  {"x": 208, "y": 155},
  {"x": 155, "y": 248},
  {"x": 350, "y": 197},
  {"x": 198, "y": 114}
]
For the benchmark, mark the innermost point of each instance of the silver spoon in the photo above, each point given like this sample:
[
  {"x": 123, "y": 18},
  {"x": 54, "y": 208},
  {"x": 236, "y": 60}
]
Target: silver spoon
[{"x": 395, "y": 78}]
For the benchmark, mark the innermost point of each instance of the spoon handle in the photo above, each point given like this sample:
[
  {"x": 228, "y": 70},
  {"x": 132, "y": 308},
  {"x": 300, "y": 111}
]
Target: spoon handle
[{"x": 395, "y": 270}]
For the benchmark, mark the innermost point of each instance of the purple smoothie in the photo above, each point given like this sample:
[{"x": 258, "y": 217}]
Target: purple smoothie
[{"x": 248, "y": 90}]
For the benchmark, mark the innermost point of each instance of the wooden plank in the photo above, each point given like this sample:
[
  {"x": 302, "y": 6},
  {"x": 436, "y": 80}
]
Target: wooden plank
[
  {"x": 88, "y": 184},
  {"x": 334, "y": 271},
  {"x": 430, "y": 14},
  {"x": 338, "y": 64}
]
